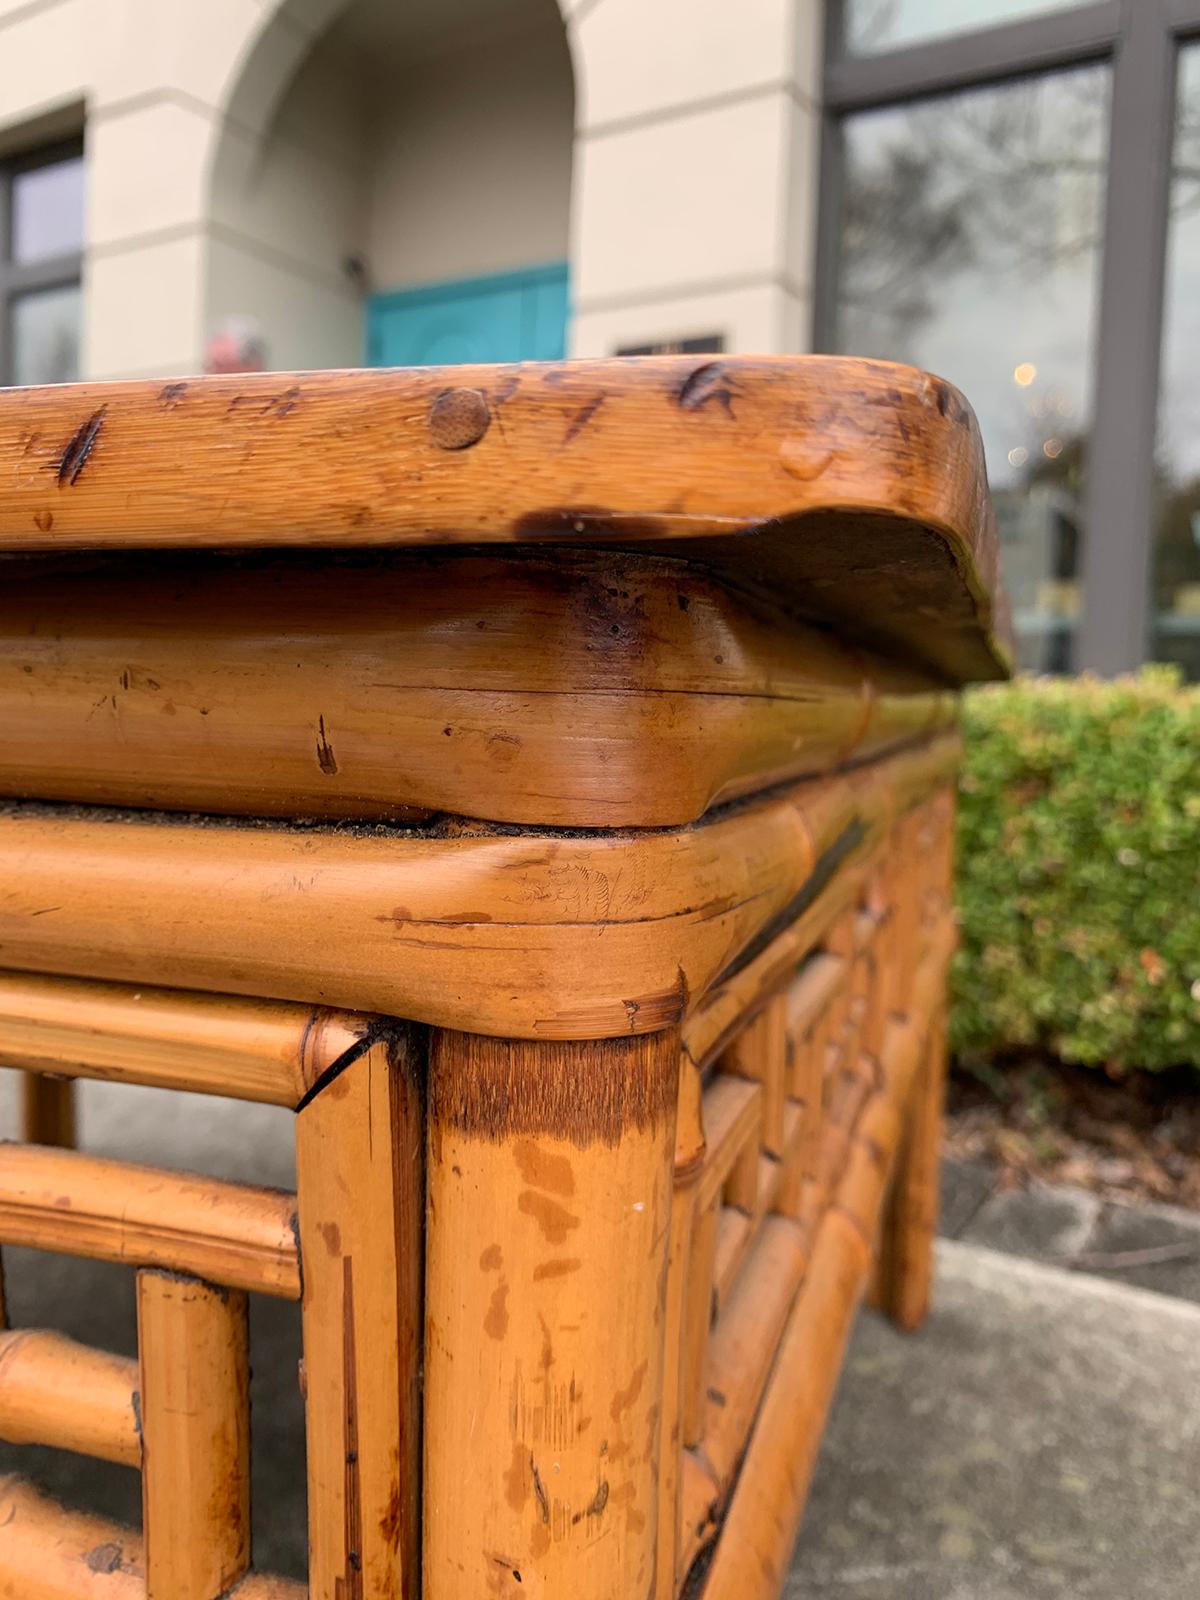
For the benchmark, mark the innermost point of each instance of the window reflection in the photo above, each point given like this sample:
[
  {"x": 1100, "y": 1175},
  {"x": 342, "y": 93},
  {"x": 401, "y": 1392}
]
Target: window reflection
[
  {"x": 969, "y": 240},
  {"x": 1175, "y": 588},
  {"x": 875, "y": 25},
  {"x": 45, "y": 336},
  {"x": 47, "y": 210}
]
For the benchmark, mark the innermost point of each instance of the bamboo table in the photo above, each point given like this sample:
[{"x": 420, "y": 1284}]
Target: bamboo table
[{"x": 540, "y": 779}]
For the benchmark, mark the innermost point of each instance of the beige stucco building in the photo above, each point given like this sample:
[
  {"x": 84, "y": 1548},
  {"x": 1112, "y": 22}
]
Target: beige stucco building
[{"x": 292, "y": 161}]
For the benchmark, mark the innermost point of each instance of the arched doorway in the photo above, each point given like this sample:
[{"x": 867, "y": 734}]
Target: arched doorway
[{"x": 396, "y": 186}]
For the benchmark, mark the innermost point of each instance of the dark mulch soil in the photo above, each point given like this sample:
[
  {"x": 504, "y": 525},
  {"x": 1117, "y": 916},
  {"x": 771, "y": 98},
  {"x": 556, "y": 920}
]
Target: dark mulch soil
[{"x": 1131, "y": 1138}]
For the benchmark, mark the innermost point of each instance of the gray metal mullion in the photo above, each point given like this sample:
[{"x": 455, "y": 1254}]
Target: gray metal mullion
[
  {"x": 5, "y": 292},
  {"x": 52, "y": 273},
  {"x": 1120, "y": 494},
  {"x": 1035, "y": 44},
  {"x": 1183, "y": 16},
  {"x": 827, "y": 264}
]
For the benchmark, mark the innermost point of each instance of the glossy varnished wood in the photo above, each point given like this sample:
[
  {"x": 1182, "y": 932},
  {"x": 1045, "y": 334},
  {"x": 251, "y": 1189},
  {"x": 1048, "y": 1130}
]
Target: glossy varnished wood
[
  {"x": 515, "y": 686},
  {"x": 861, "y": 483},
  {"x": 205, "y": 1043}
]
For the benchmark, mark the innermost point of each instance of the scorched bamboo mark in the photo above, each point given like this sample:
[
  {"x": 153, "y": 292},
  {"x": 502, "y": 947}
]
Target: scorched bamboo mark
[{"x": 79, "y": 449}]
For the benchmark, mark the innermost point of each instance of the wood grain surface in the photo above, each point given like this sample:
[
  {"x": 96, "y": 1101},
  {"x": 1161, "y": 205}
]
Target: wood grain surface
[{"x": 861, "y": 483}]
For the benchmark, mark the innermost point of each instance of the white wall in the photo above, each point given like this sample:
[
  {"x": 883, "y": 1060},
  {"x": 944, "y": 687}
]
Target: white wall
[
  {"x": 691, "y": 199},
  {"x": 471, "y": 160},
  {"x": 288, "y": 211}
]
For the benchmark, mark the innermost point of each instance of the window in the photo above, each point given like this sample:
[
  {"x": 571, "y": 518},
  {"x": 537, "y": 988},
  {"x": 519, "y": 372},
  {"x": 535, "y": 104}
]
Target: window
[
  {"x": 998, "y": 178},
  {"x": 41, "y": 241},
  {"x": 1175, "y": 587}
]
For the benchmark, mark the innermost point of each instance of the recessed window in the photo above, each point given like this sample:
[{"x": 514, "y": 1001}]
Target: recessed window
[{"x": 41, "y": 242}]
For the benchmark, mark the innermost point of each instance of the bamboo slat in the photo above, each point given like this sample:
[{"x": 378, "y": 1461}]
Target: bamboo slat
[
  {"x": 359, "y": 1157},
  {"x": 904, "y": 1277},
  {"x": 760, "y": 1527},
  {"x": 744, "y": 1342},
  {"x": 492, "y": 932},
  {"x": 59, "y": 1393},
  {"x": 689, "y": 455},
  {"x": 47, "y": 1112},
  {"x": 195, "y": 1386},
  {"x": 233, "y": 1235},
  {"x": 758, "y": 1275},
  {"x": 446, "y": 682},
  {"x": 211, "y": 1044},
  {"x": 544, "y": 1333}
]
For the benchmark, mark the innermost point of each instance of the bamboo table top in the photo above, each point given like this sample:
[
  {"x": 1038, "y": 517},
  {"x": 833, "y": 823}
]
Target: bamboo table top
[{"x": 854, "y": 492}]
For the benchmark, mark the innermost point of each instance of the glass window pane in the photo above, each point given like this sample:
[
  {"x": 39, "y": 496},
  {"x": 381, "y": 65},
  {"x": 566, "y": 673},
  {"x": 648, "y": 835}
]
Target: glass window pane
[
  {"x": 969, "y": 244},
  {"x": 45, "y": 336},
  {"x": 1175, "y": 588},
  {"x": 875, "y": 25},
  {"x": 47, "y": 210}
]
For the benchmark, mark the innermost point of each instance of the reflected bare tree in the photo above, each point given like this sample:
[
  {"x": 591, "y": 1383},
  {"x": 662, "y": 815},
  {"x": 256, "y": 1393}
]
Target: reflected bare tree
[{"x": 1004, "y": 183}]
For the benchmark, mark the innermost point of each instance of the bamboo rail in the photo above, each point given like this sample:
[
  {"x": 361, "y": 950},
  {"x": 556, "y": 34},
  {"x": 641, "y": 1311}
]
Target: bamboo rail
[
  {"x": 210, "y": 1044},
  {"x": 48, "y": 1553},
  {"x": 493, "y": 933},
  {"x": 432, "y": 708},
  {"x": 230, "y": 1234},
  {"x": 59, "y": 1393}
]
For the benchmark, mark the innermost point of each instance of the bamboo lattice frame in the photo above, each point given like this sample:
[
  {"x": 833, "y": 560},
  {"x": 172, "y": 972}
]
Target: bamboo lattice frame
[{"x": 663, "y": 1105}]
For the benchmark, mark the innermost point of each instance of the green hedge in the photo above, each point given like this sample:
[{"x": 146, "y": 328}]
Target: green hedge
[{"x": 1079, "y": 871}]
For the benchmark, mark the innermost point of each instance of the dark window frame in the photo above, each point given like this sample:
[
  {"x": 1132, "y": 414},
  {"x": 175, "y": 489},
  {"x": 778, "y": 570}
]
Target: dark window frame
[
  {"x": 1141, "y": 40},
  {"x": 16, "y": 278}
]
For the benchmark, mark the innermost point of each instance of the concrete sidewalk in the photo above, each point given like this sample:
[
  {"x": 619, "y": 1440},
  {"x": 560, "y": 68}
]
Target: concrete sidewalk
[{"x": 1040, "y": 1438}]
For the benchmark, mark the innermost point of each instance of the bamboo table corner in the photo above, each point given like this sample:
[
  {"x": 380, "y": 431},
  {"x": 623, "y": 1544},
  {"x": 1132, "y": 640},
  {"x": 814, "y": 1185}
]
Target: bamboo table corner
[{"x": 540, "y": 779}]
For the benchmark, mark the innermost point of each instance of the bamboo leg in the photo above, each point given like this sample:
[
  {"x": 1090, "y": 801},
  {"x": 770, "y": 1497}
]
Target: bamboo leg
[
  {"x": 904, "y": 1269},
  {"x": 359, "y": 1156},
  {"x": 47, "y": 1110},
  {"x": 689, "y": 1160},
  {"x": 195, "y": 1381},
  {"x": 549, "y": 1225}
]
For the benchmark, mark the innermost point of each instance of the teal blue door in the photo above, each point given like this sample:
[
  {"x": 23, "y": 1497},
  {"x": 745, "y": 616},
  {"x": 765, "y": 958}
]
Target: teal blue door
[{"x": 515, "y": 316}]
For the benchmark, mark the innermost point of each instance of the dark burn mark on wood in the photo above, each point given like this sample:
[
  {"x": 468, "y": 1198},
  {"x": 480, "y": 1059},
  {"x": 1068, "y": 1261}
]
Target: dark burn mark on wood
[
  {"x": 352, "y": 1586},
  {"x": 458, "y": 418},
  {"x": 588, "y": 1091},
  {"x": 708, "y": 384},
  {"x": 539, "y": 1490},
  {"x": 105, "y": 1558},
  {"x": 171, "y": 394},
  {"x": 325, "y": 755},
  {"x": 282, "y": 404},
  {"x": 582, "y": 417},
  {"x": 596, "y": 1505},
  {"x": 79, "y": 449}
]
